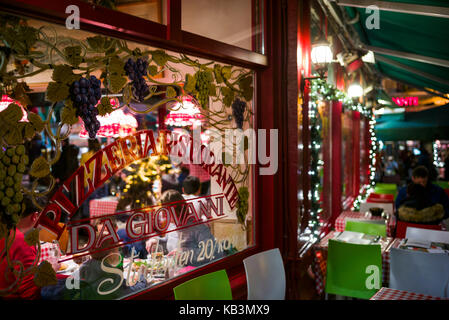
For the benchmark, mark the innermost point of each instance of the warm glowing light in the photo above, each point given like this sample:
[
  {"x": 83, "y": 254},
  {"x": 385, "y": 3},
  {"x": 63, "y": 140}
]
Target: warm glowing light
[
  {"x": 355, "y": 90},
  {"x": 184, "y": 114},
  {"x": 115, "y": 124},
  {"x": 321, "y": 53}
]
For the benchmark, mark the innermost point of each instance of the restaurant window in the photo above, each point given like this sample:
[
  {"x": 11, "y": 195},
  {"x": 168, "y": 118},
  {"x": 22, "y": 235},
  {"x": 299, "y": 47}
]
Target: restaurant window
[
  {"x": 324, "y": 160},
  {"x": 347, "y": 155},
  {"x": 158, "y": 121},
  {"x": 235, "y": 22},
  {"x": 153, "y": 10}
]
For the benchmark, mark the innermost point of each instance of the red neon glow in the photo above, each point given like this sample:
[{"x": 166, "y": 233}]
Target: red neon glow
[
  {"x": 6, "y": 101},
  {"x": 115, "y": 124},
  {"x": 406, "y": 101},
  {"x": 184, "y": 114}
]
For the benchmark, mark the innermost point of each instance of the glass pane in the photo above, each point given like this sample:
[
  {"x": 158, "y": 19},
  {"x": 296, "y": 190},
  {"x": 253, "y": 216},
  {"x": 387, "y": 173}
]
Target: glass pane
[
  {"x": 233, "y": 22},
  {"x": 161, "y": 190},
  {"x": 153, "y": 10},
  {"x": 324, "y": 165},
  {"x": 347, "y": 148}
]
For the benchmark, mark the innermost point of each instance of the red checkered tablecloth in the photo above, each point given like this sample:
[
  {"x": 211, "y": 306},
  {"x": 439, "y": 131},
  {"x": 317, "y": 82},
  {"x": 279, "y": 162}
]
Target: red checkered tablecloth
[
  {"x": 320, "y": 259},
  {"x": 340, "y": 222},
  {"x": 393, "y": 294},
  {"x": 101, "y": 207},
  {"x": 197, "y": 171},
  {"x": 50, "y": 252}
]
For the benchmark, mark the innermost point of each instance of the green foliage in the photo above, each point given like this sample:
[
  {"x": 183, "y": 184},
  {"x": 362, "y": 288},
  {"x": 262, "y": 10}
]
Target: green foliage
[{"x": 242, "y": 208}]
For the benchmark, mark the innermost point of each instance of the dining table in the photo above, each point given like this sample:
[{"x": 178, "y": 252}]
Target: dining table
[
  {"x": 394, "y": 294},
  {"x": 340, "y": 222}
]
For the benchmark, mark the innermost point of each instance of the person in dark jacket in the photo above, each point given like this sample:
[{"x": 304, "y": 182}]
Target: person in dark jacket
[
  {"x": 67, "y": 163},
  {"x": 427, "y": 195}
]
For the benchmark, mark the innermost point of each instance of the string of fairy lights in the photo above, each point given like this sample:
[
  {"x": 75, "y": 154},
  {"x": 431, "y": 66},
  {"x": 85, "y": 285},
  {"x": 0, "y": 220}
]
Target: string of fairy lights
[
  {"x": 323, "y": 91},
  {"x": 368, "y": 188}
]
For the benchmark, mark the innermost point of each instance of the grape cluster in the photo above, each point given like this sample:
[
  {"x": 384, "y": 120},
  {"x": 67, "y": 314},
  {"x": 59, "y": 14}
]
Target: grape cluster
[
  {"x": 135, "y": 70},
  {"x": 238, "y": 111},
  {"x": 202, "y": 87},
  {"x": 13, "y": 162},
  {"x": 85, "y": 94}
]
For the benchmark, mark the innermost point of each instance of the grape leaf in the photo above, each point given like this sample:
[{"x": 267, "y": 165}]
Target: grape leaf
[
  {"x": 32, "y": 237},
  {"x": 226, "y": 72},
  {"x": 97, "y": 43},
  {"x": 245, "y": 86},
  {"x": 152, "y": 70},
  {"x": 57, "y": 91},
  {"x": 36, "y": 121},
  {"x": 116, "y": 66},
  {"x": 20, "y": 93},
  {"x": 105, "y": 106},
  {"x": 12, "y": 114},
  {"x": 190, "y": 83},
  {"x": 212, "y": 90},
  {"x": 160, "y": 57},
  {"x": 45, "y": 275},
  {"x": 28, "y": 130},
  {"x": 170, "y": 92},
  {"x": 117, "y": 82},
  {"x": 64, "y": 74},
  {"x": 14, "y": 136},
  {"x": 73, "y": 55},
  {"x": 40, "y": 168},
  {"x": 68, "y": 115},
  {"x": 228, "y": 96},
  {"x": 217, "y": 73}
]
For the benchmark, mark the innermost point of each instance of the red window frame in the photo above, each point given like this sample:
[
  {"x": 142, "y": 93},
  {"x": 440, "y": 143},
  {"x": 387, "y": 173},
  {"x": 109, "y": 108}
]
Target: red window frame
[{"x": 171, "y": 37}]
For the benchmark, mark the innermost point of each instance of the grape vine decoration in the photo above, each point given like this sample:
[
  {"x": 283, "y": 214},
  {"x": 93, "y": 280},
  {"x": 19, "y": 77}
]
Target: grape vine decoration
[
  {"x": 136, "y": 70},
  {"x": 85, "y": 94},
  {"x": 223, "y": 94}
]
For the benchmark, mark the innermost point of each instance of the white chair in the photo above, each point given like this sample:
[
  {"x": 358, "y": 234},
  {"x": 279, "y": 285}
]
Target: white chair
[
  {"x": 427, "y": 235},
  {"x": 265, "y": 275},
  {"x": 419, "y": 272},
  {"x": 365, "y": 206}
]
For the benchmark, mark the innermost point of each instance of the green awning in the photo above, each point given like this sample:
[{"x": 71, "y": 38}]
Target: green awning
[
  {"x": 427, "y": 125},
  {"x": 407, "y": 36}
]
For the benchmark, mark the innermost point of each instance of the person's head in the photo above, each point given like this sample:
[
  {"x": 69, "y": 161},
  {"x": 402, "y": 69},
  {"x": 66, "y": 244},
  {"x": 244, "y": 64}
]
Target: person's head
[
  {"x": 420, "y": 175},
  {"x": 191, "y": 185},
  {"x": 29, "y": 216},
  {"x": 65, "y": 142},
  {"x": 93, "y": 145},
  {"x": 185, "y": 170},
  {"x": 171, "y": 196}
]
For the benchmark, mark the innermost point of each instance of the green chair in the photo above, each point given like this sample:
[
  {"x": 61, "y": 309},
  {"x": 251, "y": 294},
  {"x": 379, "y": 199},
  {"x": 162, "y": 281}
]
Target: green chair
[
  {"x": 353, "y": 270},
  {"x": 211, "y": 286},
  {"x": 374, "y": 229},
  {"x": 390, "y": 186},
  {"x": 386, "y": 191},
  {"x": 442, "y": 184}
]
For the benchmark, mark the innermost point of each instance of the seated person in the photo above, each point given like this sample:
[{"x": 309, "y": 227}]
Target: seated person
[
  {"x": 191, "y": 237},
  {"x": 432, "y": 193},
  {"x": 139, "y": 246},
  {"x": 97, "y": 284},
  {"x": 418, "y": 207},
  {"x": 191, "y": 189},
  {"x": 20, "y": 251}
]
